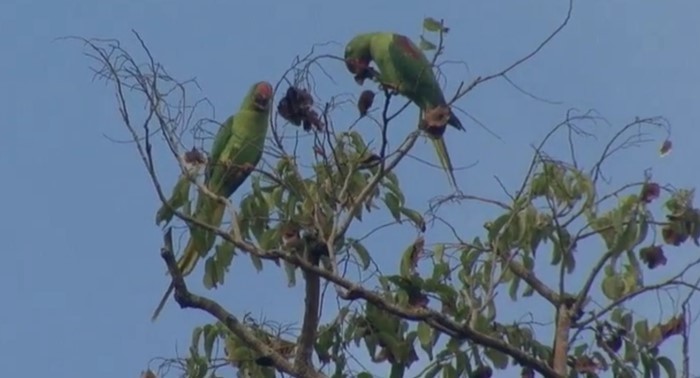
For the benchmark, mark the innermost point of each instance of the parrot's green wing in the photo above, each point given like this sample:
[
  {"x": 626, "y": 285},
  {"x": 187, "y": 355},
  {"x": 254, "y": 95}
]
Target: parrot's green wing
[
  {"x": 417, "y": 82},
  {"x": 415, "y": 73},
  {"x": 220, "y": 139},
  {"x": 181, "y": 191},
  {"x": 236, "y": 150}
]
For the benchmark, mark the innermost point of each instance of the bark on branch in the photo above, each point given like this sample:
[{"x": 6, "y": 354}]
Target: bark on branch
[{"x": 186, "y": 299}]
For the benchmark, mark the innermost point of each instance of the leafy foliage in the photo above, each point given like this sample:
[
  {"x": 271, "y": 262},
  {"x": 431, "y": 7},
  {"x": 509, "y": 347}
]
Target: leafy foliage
[{"x": 437, "y": 308}]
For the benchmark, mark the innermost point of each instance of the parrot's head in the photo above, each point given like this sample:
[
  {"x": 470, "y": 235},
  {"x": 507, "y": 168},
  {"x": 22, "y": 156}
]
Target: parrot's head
[
  {"x": 358, "y": 57},
  {"x": 290, "y": 234},
  {"x": 261, "y": 96}
]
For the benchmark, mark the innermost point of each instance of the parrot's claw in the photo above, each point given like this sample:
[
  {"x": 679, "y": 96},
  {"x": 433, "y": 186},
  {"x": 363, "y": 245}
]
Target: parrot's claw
[{"x": 390, "y": 88}]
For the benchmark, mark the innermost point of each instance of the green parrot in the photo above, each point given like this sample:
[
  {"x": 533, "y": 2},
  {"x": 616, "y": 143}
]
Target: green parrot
[
  {"x": 236, "y": 150},
  {"x": 405, "y": 69}
]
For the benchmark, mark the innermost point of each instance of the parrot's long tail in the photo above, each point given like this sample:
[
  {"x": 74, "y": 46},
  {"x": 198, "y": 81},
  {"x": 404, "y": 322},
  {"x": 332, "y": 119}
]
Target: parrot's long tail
[
  {"x": 445, "y": 162},
  {"x": 162, "y": 302},
  {"x": 187, "y": 262}
]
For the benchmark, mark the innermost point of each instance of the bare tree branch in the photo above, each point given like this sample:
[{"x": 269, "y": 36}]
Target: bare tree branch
[{"x": 188, "y": 300}]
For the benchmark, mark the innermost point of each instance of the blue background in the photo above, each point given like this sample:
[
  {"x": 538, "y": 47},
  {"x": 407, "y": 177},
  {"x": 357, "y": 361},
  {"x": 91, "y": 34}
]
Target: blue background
[{"x": 81, "y": 272}]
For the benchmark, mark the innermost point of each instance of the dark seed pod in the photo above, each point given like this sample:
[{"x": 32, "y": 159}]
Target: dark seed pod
[
  {"x": 365, "y": 102},
  {"x": 297, "y": 108}
]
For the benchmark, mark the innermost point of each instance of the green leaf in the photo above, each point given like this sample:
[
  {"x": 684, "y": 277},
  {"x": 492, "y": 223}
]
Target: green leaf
[
  {"x": 500, "y": 360},
  {"x": 432, "y": 25},
  {"x": 362, "y": 253},
  {"x": 220, "y": 272},
  {"x": 461, "y": 363},
  {"x": 270, "y": 238},
  {"x": 569, "y": 262},
  {"x": 224, "y": 254},
  {"x": 365, "y": 374},
  {"x": 655, "y": 335},
  {"x": 392, "y": 184},
  {"x": 654, "y": 367},
  {"x": 668, "y": 365},
  {"x": 627, "y": 239},
  {"x": 468, "y": 257},
  {"x": 495, "y": 227},
  {"x": 415, "y": 217},
  {"x": 196, "y": 334},
  {"x": 209, "y": 280},
  {"x": 210, "y": 334},
  {"x": 392, "y": 202},
  {"x": 578, "y": 351},
  {"x": 556, "y": 253},
  {"x": 439, "y": 252},
  {"x": 198, "y": 368},
  {"x": 513, "y": 290},
  {"x": 178, "y": 199},
  {"x": 407, "y": 258},
  {"x": 626, "y": 321},
  {"x": 426, "y": 45},
  {"x": 187, "y": 208},
  {"x": 425, "y": 336},
  {"x": 631, "y": 354},
  {"x": 648, "y": 366},
  {"x": 257, "y": 263},
  {"x": 631, "y": 278},
  {"x": 275, "y": 198},
  {"x": 613, "y": 286},
  {"x": 448, "y": 372},
  {"x": 616, "y": 315},
  {"x": 643, "y": 229},
  {"x": 527, "y": 221},
  {"x": 357, "y": 142},
  {"x": 433, "y": 372},
  {"x": 641, "y": 329},
  {"x": 603, "y": 225}
]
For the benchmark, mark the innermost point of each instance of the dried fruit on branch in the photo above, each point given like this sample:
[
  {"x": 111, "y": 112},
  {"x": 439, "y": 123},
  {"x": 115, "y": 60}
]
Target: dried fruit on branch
[{"x": 297, "y": 108}]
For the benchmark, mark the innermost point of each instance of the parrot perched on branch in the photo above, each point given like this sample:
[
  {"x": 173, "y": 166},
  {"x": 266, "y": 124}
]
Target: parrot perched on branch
[
  {"x": 236, "y": 150},
  {"x": 405, "y": 69}
]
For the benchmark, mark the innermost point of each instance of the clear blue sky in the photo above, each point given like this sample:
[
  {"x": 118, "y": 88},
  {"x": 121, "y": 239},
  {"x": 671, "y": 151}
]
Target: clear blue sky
[{"x": 81, "y": 271}]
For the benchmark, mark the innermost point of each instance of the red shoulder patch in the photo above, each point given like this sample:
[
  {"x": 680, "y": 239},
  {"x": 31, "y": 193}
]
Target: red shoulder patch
[{"x": 407, "y": 46}]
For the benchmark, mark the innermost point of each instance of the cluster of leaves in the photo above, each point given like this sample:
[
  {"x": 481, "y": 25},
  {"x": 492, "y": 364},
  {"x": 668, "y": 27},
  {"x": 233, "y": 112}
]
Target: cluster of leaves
[
  {"x": 341, "y": 184},
  {"x": 440, "y": 302},
  {"x": 507, "y": 256},
  {"x": 204, "y": 360}
]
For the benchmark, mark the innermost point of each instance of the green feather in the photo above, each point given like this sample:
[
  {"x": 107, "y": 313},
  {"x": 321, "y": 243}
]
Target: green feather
[
  {"x": 237, "y": 147},
  {"x": 403, "y": 66}
]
